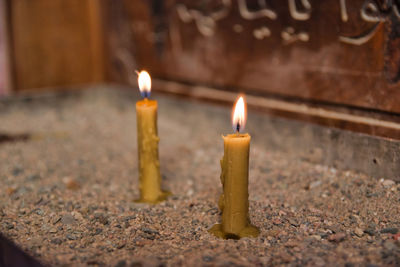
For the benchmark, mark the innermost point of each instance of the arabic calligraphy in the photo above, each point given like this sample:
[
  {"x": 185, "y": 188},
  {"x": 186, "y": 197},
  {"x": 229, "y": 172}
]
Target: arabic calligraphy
[
  {"x": 298, "y": 15},
  {"x": 206, "y": 21},
  {"x": 206, "y": 24},
  {"x": 371, "y": 12},
  {"x": 262, "y": 33},
  {"x": 289, "y": 35},
  {"x": 343, "y": 11},
  {"x": 264, "y": 11}
]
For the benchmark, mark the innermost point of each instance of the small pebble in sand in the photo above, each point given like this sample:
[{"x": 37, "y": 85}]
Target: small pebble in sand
[
  {"x": 388, "y": 183},
  {"x": 358, "y": 232},
  {"x": 396, "y": 237},
  {"x": 316, "y": 237},
  {"x": 68, "y": 219},
  {"x": 339, "y": 237},
  {"x": 314, "y": 184},
  {"x": 370, "y": 231},
  {"x": 11, "y": 190},
  {"x": 390, "y": 230},
  {"x": 71, "y": 183}
]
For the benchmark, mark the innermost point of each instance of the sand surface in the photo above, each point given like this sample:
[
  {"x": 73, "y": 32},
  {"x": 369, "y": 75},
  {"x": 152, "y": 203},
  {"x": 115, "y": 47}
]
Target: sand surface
[{"x": 66, "y": 193}]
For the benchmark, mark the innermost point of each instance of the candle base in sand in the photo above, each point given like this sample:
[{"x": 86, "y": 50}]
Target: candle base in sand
[
  {"x": 248, "y": 231},
  {"x": 163, "y": 196}
]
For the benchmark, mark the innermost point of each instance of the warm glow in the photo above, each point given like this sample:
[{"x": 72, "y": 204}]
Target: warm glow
[
  {"x": 239, "y": 115},
  {"x": 144, "y": 82}
]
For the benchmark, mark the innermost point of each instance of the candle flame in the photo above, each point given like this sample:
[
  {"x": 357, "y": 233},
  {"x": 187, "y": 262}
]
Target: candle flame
[
  {"x": 144, "y": 82},
  {"x": 239, "y": 115}
]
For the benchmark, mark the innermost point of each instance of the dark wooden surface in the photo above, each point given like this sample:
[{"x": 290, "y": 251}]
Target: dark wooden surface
[
  {"x": 377, "y": 124},
  {"x": 346, "y": 56}
]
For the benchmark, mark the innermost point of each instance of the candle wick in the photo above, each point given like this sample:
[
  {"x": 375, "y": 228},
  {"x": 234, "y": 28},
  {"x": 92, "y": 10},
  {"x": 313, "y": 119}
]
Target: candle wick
[
  {"x": 237, "y": 128},
  {"x": 145, "y": 94}
]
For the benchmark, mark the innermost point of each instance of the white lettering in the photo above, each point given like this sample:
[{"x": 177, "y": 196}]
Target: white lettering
[{"x": 297, "y": 15}]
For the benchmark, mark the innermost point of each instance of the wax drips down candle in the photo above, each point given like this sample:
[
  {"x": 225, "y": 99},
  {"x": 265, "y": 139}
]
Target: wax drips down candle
[
  {"x": 149, "y": 165},
  {"x": 234, "y": 201}
]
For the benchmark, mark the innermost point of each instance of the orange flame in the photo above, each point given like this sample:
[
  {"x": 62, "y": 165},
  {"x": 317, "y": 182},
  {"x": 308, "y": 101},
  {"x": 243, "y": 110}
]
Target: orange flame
[
  {"x": 239, "y": 115},
  {"x": 144, "y": 82}
]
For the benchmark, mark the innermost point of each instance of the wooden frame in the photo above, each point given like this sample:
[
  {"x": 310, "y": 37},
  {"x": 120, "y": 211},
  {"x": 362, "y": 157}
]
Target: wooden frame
[
  {"x": 384, "y": 126},
  {"x": 5, "y": 61},
  {"x": 56, "y": 43}
]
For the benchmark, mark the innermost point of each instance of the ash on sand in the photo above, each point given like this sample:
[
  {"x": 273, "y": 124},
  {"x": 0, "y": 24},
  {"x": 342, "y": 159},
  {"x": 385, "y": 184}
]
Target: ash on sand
[{"x": 67, "y": 193}]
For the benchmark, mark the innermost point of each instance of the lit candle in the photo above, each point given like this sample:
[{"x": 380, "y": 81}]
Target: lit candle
[
  {"x": 234, "y": 201},
  {"x": 149, "y": 164}
]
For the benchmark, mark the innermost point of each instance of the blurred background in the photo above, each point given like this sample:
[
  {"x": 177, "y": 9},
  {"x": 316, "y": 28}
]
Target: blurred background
[{"x": 333, "y": 62}]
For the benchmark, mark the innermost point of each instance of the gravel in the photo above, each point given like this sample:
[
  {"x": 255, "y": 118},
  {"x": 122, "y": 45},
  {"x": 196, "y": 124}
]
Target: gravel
[
  {"x": 67, "y": 219},
  {"x": 67, "y": 194}
]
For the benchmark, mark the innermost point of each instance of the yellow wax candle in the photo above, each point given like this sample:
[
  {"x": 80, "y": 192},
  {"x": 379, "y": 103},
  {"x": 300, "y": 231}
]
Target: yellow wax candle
[
  {"x": 234, "y": 201},
  {"x": 149, "y": 164}
]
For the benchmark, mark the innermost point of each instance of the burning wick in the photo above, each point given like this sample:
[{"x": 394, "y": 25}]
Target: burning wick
[
  {"x": 239, "y": 115},
  {"x": 144, "y": 82}
]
